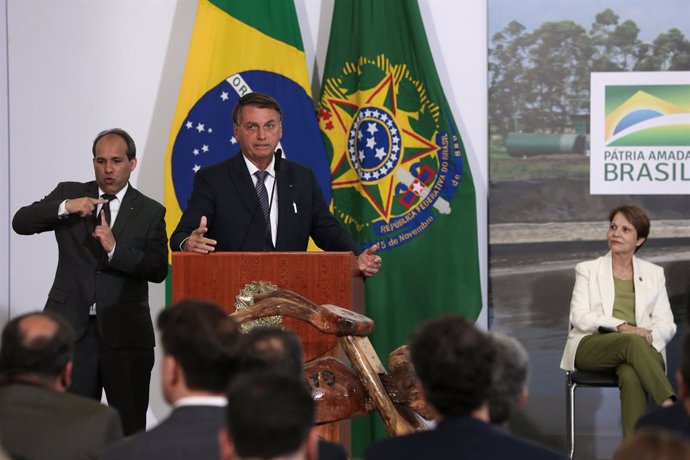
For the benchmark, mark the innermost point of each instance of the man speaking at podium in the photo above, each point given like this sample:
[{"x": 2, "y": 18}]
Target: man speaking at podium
[{"x": 258, "y": 201}]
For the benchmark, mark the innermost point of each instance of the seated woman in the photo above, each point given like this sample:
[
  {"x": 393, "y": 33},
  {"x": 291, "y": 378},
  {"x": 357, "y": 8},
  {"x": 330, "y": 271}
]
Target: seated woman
[{"x": 621, "y": 319}]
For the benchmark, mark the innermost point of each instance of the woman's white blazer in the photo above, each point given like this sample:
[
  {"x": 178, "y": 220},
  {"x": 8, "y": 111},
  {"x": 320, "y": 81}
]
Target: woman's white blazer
[{"x": 591, "y": 306}]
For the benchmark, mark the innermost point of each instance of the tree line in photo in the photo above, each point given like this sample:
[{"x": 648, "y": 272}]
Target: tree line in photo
[{"x": 540, "y": 80}]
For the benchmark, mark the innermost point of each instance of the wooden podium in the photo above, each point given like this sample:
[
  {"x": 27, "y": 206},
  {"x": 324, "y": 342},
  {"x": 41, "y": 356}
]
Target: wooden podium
[{"x": 322, "y": 277}]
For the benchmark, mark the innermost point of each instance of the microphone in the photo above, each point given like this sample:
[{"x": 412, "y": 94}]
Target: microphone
[
  {"x": 278, "y": 160},
  {"x": 276, "y": 168}
]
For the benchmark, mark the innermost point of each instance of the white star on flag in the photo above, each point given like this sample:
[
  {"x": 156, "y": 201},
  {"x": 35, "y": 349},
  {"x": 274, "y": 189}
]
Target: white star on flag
[
  {"x": 372, "y": 128},
  {"x": 195, "y": 152},
  {"x": 380, "y": 153},
  {"x": 371, "y": 142},
  {"x": 224, "y": 95},
  {"x": 200, "y": 127},
  {"x": 189, "y": 125},
  {"x": 210, "y": 130},
  {"x": 233, "y": 141},
  {"x": 416, "y": 187},
  {"x": 196, "y": 168},
  {"x": 205, "y": 148}
]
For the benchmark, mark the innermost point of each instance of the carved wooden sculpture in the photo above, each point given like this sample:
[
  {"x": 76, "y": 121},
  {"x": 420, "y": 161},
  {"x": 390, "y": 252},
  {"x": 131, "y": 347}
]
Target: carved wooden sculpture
[{"x": 342, "y": 391}]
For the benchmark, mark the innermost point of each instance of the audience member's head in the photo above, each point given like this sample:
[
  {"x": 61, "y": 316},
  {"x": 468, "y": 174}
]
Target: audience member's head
[
  {"x": 649, "y": 444},
  {"x": 272, "y": 348},
  {"x": 37, "y": 348},
  {"x": 269, "y": 415},
  {"x": 454, "y": 361},
  {"x": 510, "y": 378},
  {"x": 200, "y": 347}
]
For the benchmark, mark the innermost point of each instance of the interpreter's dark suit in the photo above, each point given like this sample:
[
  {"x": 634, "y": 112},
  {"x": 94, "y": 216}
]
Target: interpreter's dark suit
[
  {"x": 41, "y": 424},
  {"x": 458, "y": 439},
  {"x": 226, "y": 195},
  {"x": 119, "y": 287},
  {"x": 190, "y": 432}
]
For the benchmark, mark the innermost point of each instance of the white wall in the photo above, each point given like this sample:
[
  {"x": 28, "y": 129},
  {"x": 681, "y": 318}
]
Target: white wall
[
  {"x": 4, "y": 172},
  {"x": 75, "y": 67}
]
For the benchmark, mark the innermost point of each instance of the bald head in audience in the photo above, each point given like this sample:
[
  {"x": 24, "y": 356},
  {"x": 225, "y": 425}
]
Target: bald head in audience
[
  {"x": 37, "y": 348},
  {"x": 39, "y": 419}
]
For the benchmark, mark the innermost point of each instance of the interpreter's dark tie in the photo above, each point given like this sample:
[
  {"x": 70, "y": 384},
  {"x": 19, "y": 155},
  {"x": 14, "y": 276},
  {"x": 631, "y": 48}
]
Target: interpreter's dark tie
[
  {"x": 263, "y": 200},
  {"x": 106, "y": 206}
]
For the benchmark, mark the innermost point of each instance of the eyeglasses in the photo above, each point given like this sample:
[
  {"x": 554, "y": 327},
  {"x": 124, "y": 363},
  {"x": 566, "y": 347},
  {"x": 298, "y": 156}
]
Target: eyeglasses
[{"x": 269, "y": 127}]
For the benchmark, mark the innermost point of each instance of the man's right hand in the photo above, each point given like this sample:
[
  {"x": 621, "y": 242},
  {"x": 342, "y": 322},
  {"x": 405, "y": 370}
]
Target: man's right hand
[
  {"x": 83, "y": 206},
  {"x": 197, "y": 242}
]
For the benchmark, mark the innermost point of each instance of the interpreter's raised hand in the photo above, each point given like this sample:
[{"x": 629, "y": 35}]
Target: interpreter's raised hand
[
  {"x": 197, "y": 242},
  {"x": 83, "y": 206},
  {"x": 641, "y": 331},
  {"x": 368, "y": 262},
  {"x": 103, "y": 233}
]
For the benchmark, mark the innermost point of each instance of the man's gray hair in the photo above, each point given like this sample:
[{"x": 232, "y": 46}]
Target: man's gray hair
[{"x": 510, "y": 377}]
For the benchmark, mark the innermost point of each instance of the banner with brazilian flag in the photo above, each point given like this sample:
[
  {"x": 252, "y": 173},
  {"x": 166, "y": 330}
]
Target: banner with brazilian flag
[
  {"x": 237, "y": 47},
  {"x": 399, "y": 171}
]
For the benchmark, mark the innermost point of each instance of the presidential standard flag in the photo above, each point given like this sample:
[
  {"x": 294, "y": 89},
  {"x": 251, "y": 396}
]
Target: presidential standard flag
[
  {"x": 237, "y": 47},
  {"x": 399, "y": 171}
]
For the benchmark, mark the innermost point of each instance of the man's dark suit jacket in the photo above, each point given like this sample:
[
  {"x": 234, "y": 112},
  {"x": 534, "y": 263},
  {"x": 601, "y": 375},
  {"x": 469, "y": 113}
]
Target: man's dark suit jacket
[
  {"x": 41, "y": 424},
  {"x": 84, "y": 275},
  {"x": 226, "y": 195},
  {"x": 460, "y": 438},
  {"x": 330, "y": 451},
  {"x": 673, "y": 418},
  {"x": 190, "y": 432}
]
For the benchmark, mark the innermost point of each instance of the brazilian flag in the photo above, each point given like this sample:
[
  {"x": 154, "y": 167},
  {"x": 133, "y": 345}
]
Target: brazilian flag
[
  {"x": 399, "y": 172},
  {"x": 237, "y": 47}
]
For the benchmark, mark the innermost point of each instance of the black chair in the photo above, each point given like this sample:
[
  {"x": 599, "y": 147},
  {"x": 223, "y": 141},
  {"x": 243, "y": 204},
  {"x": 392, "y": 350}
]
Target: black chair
[{"x": 574, "y": 379}]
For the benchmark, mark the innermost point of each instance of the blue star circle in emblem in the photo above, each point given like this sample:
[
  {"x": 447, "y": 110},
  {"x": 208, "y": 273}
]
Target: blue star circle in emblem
[{"x": 373, "y": 144}]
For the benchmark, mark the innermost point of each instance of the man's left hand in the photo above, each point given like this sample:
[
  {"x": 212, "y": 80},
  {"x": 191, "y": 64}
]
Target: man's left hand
[
  {"x": 368, "y": 262},
  {"x": 104, "y": 234}
]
